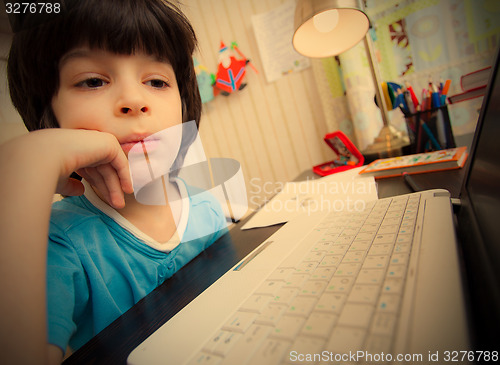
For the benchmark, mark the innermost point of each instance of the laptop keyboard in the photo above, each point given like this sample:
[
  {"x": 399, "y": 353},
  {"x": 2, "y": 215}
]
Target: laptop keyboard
[{"x": 339, "y": 291}]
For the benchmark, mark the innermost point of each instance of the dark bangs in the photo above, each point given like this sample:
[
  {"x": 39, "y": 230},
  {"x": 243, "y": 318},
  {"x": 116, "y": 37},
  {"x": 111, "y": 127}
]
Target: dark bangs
[
  {"x": 155, "y": 27},
  {"x": 127, "y": 26}
]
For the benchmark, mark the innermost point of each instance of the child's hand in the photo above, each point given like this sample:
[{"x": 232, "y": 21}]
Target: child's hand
[{"x": 98, "y": 158}]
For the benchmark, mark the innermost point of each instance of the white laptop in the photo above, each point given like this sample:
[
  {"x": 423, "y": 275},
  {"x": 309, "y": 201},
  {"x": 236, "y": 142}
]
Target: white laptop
[{"x": 388, "y": 284}]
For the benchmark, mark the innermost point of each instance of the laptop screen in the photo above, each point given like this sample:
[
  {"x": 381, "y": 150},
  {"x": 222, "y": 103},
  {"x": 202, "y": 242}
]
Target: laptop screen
[{"x": 479, "y": 217}]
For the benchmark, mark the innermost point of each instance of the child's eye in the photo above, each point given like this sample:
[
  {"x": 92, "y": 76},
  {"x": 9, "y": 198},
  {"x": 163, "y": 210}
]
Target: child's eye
[
  {"x": 92, "y": 83},
  {"x": 157, "y": 84}
]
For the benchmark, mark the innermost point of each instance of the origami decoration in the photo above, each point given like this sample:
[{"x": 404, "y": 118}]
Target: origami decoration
[
  {"x": 205, "y": 82},
  {"x": 230, "y": 72}
]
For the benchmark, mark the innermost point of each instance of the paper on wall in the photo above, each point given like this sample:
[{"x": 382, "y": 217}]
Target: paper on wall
[{"x": 273, "y": 32}]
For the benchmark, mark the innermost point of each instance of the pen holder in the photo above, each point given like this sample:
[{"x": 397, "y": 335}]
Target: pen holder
[{"x": 430, "y": 130}]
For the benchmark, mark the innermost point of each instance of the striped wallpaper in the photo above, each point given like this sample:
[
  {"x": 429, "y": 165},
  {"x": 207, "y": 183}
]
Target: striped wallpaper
[{"x": 275, "y": 130}]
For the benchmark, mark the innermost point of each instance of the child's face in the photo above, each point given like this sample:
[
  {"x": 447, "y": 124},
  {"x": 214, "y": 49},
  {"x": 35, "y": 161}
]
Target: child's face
[{"x": 129, "y": 96}]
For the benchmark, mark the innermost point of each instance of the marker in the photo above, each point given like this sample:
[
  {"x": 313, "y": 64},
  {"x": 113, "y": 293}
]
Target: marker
[
  {"x": 436, "y": 102},
  {"x": 446, "y": 87},
  {"x": 411, "y": 183},
  {"x": 414, "y": 98},
  {"x": 444, "y": 92}
]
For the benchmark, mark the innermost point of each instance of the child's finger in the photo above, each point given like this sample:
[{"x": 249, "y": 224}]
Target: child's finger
[
  {"x": 121, "y": 166},
  {"x": 92, "y": 175},
  {"x": 112, "y": 185}
]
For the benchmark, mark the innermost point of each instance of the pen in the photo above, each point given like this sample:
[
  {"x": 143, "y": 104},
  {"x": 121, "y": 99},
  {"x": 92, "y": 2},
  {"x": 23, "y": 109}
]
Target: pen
[
  {"x": 411, "y": 183},
  {"x": 430, "y": 135},
  {"x": 401, "y": 102},
  {"x": 424, "y": 99},
  {"x": 436, "y": 102},
  {"x": 409, "y": 101}
]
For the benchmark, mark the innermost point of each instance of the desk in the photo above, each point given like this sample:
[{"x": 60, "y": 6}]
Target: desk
[{"x": 114, "y": 343}]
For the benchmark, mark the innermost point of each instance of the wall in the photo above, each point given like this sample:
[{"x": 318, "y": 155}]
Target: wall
[{"x": 10, "y": 121}]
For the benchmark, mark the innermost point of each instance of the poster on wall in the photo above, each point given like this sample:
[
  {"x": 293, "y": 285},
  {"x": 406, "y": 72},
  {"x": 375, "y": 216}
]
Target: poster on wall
[{"x": 273, "y": 32}]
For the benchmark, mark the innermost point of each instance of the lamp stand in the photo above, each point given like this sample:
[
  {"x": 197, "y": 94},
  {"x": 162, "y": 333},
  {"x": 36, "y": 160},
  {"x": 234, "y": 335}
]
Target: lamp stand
[{"x": 389, "y": 141}]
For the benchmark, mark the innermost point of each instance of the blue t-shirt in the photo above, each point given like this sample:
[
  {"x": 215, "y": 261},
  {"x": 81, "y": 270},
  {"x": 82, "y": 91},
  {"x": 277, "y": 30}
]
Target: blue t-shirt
[{"x": 97, "y": 270}]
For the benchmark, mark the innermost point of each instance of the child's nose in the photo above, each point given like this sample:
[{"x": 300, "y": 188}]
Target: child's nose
[
  {"x": 128, "y": 110},
  {"x": 131, "y": 102}
]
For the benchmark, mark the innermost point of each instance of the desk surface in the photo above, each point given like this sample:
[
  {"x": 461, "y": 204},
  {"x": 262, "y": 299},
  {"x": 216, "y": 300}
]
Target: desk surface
[{"x": 114, "y": 343}]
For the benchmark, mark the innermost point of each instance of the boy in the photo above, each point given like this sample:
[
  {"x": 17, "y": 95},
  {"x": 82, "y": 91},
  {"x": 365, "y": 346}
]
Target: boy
[{"x": 123, "y": 68}]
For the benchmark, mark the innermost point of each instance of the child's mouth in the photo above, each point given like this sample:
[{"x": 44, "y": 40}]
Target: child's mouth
[{"x": 144, "y": 146}]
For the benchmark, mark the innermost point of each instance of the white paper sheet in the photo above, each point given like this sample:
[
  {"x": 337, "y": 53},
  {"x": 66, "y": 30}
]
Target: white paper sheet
[
  {"x": 273, "y": 32},
  {"x": 344, "y": 191}
]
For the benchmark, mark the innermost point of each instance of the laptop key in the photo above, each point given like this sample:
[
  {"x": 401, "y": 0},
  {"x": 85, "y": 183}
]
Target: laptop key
[
  {"x": 288, "y": 327},
  {"x": 226, "y": 343},
  {"x": 240, "y": 322},
  {"x": 383, "y": 323},
  {"x": 270, "y": 315},
  {"x": 331, "y": 303},
  {"x": 340, "y": 284},
  {"x": 370, "y": 276},
  {"x": 280, "y": 274},
  {"x": 356, "y": 315},
  {"x": 221, "y": 342},
  {"x": 364, "y": 293},
  {"x": 284, "y": 296},
  {"x": 345, "y": 339},
  {"x": 389, "y": 303},
  {"x": 319, "y": 324},
  {"x": 301, "y": 306},
  {"x": 313, "y": 288},
  {"x": 270, "y": 287}
]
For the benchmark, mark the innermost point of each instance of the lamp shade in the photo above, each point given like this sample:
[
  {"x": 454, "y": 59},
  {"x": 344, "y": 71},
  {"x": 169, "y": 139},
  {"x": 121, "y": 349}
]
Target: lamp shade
[{"x": 326, "y": 28}]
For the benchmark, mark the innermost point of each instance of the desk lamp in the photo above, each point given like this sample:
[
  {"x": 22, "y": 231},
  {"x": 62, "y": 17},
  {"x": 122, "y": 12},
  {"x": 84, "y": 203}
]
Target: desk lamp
[{"x": 325, "y": 28}]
